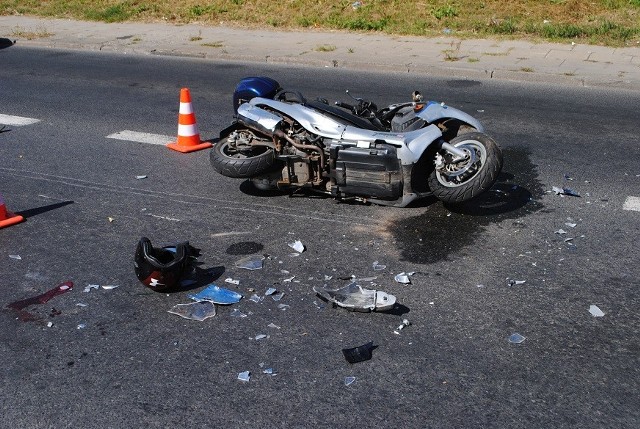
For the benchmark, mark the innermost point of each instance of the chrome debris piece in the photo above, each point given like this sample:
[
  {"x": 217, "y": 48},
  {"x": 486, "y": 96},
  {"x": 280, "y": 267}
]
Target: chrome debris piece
[{"x": 355, "y": 298}]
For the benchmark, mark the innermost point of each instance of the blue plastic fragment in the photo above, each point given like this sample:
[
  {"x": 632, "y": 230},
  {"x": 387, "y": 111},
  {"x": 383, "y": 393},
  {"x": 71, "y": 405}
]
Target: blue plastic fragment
[{"x": 217, "y": 295}]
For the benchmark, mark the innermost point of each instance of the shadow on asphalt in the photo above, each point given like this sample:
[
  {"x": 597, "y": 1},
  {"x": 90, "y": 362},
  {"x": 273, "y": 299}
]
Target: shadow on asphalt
[{"x": 39, "y": 210}]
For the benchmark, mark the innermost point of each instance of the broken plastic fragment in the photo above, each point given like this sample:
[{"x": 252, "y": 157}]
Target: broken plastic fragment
[
  {"x": 283, "y": 306},
  {"x": 595, "y": 311},
  {"x": 273, "y": 325},
  {"x": 232, "y": 281},
  {"x": 271, "y": 291},
  {"x": 359, "y": 354},
  {"x": 269, "y": 371},
  {"x": 49, "y": 324},
  {"x": 255, "y": 298},
  {"x": 199, "y": 311},
  {"x": 81, "y": 326},
  {"x": 378, "y": 267},
  {"x": 349, "y": 381},
  {"x": 260, "y": 337},
  {"x": 253, "y": 262},
  {"x": 516, "y": 338},
  {"x": 141, "y": 177},
  {"x": 297, "y": 246},
  {"x": 237, "y": 313},
  {"x": 17, "y": 257},
  {"x": 516, "y": 282},
  {"x": 108, "y": 287},
  {"x": 89, "y": 287},
  {"x": 278, "y": 297},
  {"x": 570, "y": 192},
  {"x": 244, "y": 376},
  {"x": 288, "y": 280},
  {"x": 561, "y": 231},
  {"x": 355, "y": 298},
  {"x": 571, "y": 225},
  {"x": 217, "y": 294},
  {"x": 403, "y": 278}
]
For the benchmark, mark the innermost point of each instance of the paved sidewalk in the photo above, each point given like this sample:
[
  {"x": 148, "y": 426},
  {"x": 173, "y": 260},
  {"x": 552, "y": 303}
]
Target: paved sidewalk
[{"x": 571, "y": 64}]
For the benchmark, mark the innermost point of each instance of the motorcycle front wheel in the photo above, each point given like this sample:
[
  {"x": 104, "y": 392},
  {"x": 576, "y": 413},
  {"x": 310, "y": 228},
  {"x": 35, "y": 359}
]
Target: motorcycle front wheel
[
  {"x": 241, "y": 161},
  {"x": 457, "y": 181}
]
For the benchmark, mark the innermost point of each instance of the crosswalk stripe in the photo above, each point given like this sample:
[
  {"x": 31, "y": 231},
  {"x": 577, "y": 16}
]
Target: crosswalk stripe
[
  {"x": 135, "y": 136},
  {"x": 632, "y": 203},
  {"x": 16, "y": 121}
]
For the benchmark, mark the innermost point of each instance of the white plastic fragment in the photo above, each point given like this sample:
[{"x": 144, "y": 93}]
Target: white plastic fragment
[
  {"x": 142, "y": 176},
  {"x": 378, "y": 267},
  {"x": 516, "y": 282},
  {"x": 255, "y": 298},
  {"x": 349, "y": 381},
  {"x": 288, "y": 280},
  {"x": 571, "y": 225},
  {"x": 244, "y": 376},
  {"x": 405, "y": 322},
  {"x": 109, "y": 287},
  {"x": 277, "y": 297},
  {"x": 269, "y": 371},
  {"x": 283, "y": 306},
  {"x": 89, "y": 287},
  {"x": 237, "y": 313},
  {"x": 402, "y": 278},
  {"x": 273, "y": 325},
  {"x": 16, "y": 257},
  {"x": 80, "y": 304},
  {"x": 516, "y": 338},
  {"x": 297, "y": 246},
  {"x": 271, "y": 291},
  {"x": 560, "y": 231},
  {"x": 595, "y": 311},
  {"x": 81, "y": 326},
  {"x": 49, "y": 324},
  {"x": 260, "y": 337},
  {"x": 232, "y": 281}
]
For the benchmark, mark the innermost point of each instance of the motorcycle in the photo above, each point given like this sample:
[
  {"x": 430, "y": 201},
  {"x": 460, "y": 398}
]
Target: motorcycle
[{"x": 390, "y": 156}]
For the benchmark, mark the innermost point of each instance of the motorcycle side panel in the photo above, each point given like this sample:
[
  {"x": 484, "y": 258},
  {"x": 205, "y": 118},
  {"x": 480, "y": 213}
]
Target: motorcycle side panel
[
  {"x": 310, "y": 119},
  {"x": 435, "y": 111}
]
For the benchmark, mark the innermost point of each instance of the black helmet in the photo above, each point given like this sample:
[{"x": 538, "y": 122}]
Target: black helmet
[{"x": 161, "y": 268}]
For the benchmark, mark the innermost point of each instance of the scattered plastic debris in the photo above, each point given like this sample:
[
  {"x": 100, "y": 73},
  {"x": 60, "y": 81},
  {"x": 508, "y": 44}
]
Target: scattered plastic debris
[
  {"x": 89, "y": 287},
  {"x": 297, "y": 246},
  {"x": 479, "y": 286},
  {"x": 16, "y": 257},
  {"x": 288, "y": 280},
  {"x": 283, "y": 306},
  {"x": 260, "y": 337},
  {"x": 348, "y": 381},
  {"x": 567, "y": 177},
  {"x": 277, "y": 297},
  {"x": 273, "y": 325},
  {"x": 571, "y": 225},
  {"x": 378, "y": 267},
  {"x": 271, "y": 291},
  {"x": 359, "y": 354},
  {"x": 255, "y": 298},
  {"x": 516, "y": 338},
  {"x": 49, "y": 324},
  {"x": 142, "y": 176},
  {"x": 244, "y": 376},
  {"x": 217, "y": 295},
  {"x": 403, "y": 278},
  {"x": 199, "y": 311},
  {"x": 253, "y": 262},
  {"x": 81, "y": 326},
  {"x": 565, "y": 191},
  {"x": 269, "y": 371},
  {"x": 516, "y": 282},
  {"x": 560, "y": 231},
  {"x": 595, "y": 311},
  {"x": 355, "y": 298},
  {"x": 237, "y": 313},
  {"x": 232, "y": 281}
]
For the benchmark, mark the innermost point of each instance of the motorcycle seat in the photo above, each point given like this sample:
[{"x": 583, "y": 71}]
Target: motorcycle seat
[{"x": 341, "y": 114}]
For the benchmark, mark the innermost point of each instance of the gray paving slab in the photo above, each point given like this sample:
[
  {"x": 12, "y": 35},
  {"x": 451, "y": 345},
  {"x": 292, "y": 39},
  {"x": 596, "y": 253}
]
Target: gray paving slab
[{"x": 570, "y": 63}]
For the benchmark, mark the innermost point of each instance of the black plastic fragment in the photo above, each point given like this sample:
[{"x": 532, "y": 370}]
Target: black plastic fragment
[{"x": 359, "y": 354}]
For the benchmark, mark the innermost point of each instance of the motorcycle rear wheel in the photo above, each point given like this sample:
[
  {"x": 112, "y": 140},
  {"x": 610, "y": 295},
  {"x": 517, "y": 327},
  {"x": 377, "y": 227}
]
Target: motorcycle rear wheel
[
  {"x": 457, "y": 182},
  {"x": 242, "y": 163}
]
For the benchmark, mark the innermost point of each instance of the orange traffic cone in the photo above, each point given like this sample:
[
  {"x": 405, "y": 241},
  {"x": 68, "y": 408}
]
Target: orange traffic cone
[
  {"x": 188, "y": 136},
  {"x": 6, "y": 217}
]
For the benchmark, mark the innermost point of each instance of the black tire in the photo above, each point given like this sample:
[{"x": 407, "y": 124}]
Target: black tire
[
  {"x": 242, "y": 164},
  {"x": 465, "y": 180}
]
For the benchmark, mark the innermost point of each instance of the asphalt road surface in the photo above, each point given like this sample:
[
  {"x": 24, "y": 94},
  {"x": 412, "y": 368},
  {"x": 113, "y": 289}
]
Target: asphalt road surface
[{"x": 114, "y": 358}]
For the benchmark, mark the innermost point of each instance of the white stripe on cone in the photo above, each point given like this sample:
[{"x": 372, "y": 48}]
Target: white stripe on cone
[
  {"x": 186, "y": 108},
  {"x": 187, "y": 130}
]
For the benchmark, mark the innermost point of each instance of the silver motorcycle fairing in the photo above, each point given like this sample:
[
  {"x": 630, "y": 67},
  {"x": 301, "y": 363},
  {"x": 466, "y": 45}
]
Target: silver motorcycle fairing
[
  {"x": 410, "y": 145},
  {"x": 310, "y": 119},
  {"x": 434, "y": 111}
]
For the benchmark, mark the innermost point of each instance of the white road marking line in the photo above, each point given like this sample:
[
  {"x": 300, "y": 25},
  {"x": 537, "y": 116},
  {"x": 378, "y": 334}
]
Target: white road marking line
[
  {"x": 16, "y": 121},
  {"x": 632, "y": 203},
  {"x": 135, "y": 136}
]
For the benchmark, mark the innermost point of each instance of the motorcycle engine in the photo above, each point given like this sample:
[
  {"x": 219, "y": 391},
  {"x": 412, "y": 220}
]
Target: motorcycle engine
[{"x": 406, "y": 120}]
